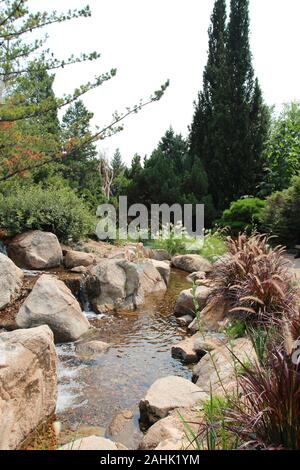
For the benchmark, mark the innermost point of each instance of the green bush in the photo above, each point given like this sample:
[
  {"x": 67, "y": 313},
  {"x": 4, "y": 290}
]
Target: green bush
[
  {"x": 56, "y": 210},
  {"x": 214, "y": 245},
  {"x": 244, "y": 215},
  {"x": 282, "y": 214}
]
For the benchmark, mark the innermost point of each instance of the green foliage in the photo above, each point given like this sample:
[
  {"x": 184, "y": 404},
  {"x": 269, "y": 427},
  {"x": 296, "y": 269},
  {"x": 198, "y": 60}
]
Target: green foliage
[
  {"x": 55, "y": 209},
  {"x": 117, "y": 164},
  {"x": 81, "y": 169},
  {"x": 173, "y": 239},
  {"x": 169, "y": 177},
  {"x": 236, "y": 329},
  {"x": 282, "y": 156},
  {"x": 214, "y": 434},
  {"x": 244, "y": 215},
  {"x": 230, "y": 122},
  {"x": 282, "y": 214},
  {"x": 259, "y": 336},
  {"x": 214, "y": 245}
]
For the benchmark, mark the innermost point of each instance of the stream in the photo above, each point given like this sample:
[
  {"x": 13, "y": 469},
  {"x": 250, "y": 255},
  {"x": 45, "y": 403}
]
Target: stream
[{"x": 92, "y": 391}]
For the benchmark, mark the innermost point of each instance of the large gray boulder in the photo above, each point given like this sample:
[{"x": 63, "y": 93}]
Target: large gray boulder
[
  {"x": 185, "y": 301},
  {"x": 52, "y": 303},
  {"x": 112, "y": 283},
  {"x": 191, "y": 263},
  {"x": 11, "y": 280},
  {"x": 27, "y": 383},
  {"x": 35, "y": 250},
  {"x": 119, "y": 284},
  {"x": 167, "y": 394}
]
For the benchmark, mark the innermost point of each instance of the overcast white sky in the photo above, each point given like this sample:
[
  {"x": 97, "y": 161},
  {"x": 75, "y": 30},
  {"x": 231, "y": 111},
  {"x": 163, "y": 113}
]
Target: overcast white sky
[{"x": 149, "y": 41}]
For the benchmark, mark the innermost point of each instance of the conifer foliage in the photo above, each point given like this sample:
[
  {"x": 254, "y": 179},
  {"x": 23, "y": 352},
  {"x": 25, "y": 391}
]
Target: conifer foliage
[{"x": 230, "y": 122}]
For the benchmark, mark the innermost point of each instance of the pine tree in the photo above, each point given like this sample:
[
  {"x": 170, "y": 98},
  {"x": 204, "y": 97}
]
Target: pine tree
[
  {"x": 117, "y": 164},
  {"x": 247, "y": 112},
  {"x": 21, "y": 52},
  {"x": 81, "y": 169},
  {"x": 230, "y": 123},
  {"x": 206, "y": 136}
]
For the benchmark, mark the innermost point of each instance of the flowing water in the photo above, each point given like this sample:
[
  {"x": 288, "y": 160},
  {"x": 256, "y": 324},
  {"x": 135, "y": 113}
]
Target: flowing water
[{"x": 91, "y": 391}]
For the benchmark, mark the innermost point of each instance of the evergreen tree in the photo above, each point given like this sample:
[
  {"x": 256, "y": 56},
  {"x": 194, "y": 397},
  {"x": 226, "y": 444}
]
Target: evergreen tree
[
  {"x": 21, "y": 52},
  {"x": 248, "y": 114},
  {"x": 117, "y": 164},
  {"x": 207, "y": 130},
  {"x": 136, "y": 167},
  {"x": 81, "y": 170},
  {"x": 230, "y": 123}
]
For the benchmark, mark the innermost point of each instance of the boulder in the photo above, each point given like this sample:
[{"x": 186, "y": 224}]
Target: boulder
[
  {"x": 160, "y": 255},
  {"x": 52, "y": 303},
  {"x": 185, "y": 301},
  {"x": 204, "y": 343},
  {"x": 196, "y": 276},
  {"x": 191, "y": 349},
  {"x": 191, "y": 263},
  {"x": 75, "y": 259},
  {"x": 91, "y": 443},
  {"x": 35, "y": 250},
  {"x": 213, "y": 315},
  {"x": 92, "y": 348},
  {"x": 153, "y": 278},
  {"x": 112, "y": 284},
  {"x": 172, "y": 429},
  {"x": 218, "y": 371},
  {"x": 11, "y": 281},
  {"x": 119, "y": 284},
  {"x": 124, "y": 429},
  {"x": 185, "y": 320},
  {"x": 172, "y": 444},
  {"x": 212, "y": 318},
  {"x": 167, "y": 394},
  {"x": 193, "y": 327},
  {"x": 27, "y": 383},
  {"x": 119, "y": 422},
  {"x": 163, "y": 268},
  {"x": 79, "y": 270},
  {"x": 184, "y": 350}
]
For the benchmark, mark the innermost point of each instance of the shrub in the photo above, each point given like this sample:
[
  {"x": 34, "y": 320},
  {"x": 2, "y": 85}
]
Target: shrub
[
  {"x": 282, "y": 214},
  {"x": 255, "y": 279},
  {"x": 176, "y": 240},
  {"x": 269, "y": 417},
  {"x": 244, "y": 215},
  {"x": 214, "y": 245},
  {"x": 56, "y": 210}
]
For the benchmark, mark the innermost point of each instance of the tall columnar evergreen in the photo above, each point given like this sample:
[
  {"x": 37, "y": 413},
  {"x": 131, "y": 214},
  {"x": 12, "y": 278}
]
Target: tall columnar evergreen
[
  {"x": 230, "y": 121},
  {"x": 248, "y": 114},
  {"x": 207, "y": 130}
]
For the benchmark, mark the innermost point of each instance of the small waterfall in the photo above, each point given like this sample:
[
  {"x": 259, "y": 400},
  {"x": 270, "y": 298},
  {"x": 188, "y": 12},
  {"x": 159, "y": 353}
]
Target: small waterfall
[
  {"x": 85, "y": 304},
  {"x": 3, "y": 248}
]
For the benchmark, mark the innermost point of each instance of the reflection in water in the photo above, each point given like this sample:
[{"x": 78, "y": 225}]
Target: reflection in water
[{"x": 92, "y": 391}]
